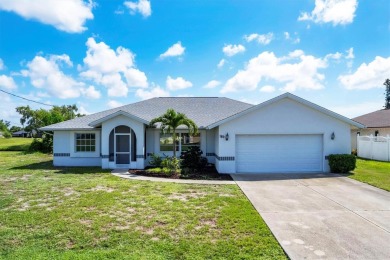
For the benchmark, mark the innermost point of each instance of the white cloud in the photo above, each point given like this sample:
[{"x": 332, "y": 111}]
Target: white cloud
[
  {"x": 46, "y": 73},
  {"x": 333, "y": 56},
  {"x": 212, "y": 84},
  {"x": 260, "y": 38},
  {"x": 267, "y": 89},
  {"x": 175, "y": 50},
  {"x": 221, "y": 63},
  {"x": 367, "y": 76},
  {"x": 331, "y": 11},
  {"x": 114, "y": 104},
  {"x": 83, "y": 111},
  {"x": 295, "y": 39},
  {"x": 136, "y": 78},
  {"x": 177, "y": 84},
  {"x": 91, "y": 92},
  {"x": 1, "y": 64},
  {"x": 231, "y": 50},
  {"x": 114, "y": 69},
  {"x": 104, "y": 60},
  {"x": 116, "y": 86},
  {"x": 7, "y": 82},
  {"x": 350, "y": 54},
  {"x": 142, "y": 6},
  {"x": 154, "y": 92},
  {"x": 296, "y": 71},
  {"x": 67, "y": 15}
]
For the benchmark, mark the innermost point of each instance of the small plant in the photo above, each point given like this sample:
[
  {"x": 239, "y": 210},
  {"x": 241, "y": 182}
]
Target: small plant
[
  {"x": 172, "y": 163},
  {"x": 160, "y": 171},
  {"x": 192, "y": 158},
  {"x": 155, "y": 160},
  {"x": 342, "y": 163}
]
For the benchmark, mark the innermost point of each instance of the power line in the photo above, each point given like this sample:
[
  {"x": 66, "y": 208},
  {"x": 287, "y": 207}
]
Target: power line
[{"x": 26, "y": 98}]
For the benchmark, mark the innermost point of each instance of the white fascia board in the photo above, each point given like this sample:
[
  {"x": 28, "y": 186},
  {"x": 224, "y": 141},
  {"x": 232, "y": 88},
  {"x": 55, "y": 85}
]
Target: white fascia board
[
  {"x": 120, "y": 112},
  {"x": 292, "y": 97}
]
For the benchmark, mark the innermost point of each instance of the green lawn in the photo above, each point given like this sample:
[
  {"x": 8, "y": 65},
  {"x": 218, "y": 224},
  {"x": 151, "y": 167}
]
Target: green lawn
[
  {"x": 15, "y": 144},
  {"x": 374, "y": 173},
  {"x": 86, "y": 213}
]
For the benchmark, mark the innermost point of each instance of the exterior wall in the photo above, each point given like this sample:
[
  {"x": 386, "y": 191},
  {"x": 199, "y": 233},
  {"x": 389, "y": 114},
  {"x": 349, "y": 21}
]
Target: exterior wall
[
  {"x": 65, "y": 154},
  {"x": 283, "y": 117},
  {"x": 139, "y": 130},
  {"x": 367, "y": 131}
]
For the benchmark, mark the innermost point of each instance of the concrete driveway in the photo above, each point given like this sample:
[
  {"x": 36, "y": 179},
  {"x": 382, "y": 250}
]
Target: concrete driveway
[{"x": 316, "y": 216}]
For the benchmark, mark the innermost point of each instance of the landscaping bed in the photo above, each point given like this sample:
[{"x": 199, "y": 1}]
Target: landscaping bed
[{"x": 208, "y": 173}]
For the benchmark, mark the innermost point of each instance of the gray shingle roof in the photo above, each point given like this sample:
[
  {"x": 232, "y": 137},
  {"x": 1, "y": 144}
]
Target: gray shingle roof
[
  {"x": 380, "y": 118},
  {"x": 203, "y": 111}
]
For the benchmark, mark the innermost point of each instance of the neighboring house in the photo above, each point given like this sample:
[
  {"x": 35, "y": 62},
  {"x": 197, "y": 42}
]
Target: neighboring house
[
  {"x": 377, "y": 124},
  {"x": 21, "y": 133},
  {"x": 284, "y": 134}
]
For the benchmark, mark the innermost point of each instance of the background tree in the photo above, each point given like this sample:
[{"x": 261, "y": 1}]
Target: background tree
[
  {"x": 35, "y": 119},
  {"x": 4, "y": 125},
  {"x": 170, "y": 121},
  {"x": 15, "y": 128},
  {"x": 387, "y": 94}
]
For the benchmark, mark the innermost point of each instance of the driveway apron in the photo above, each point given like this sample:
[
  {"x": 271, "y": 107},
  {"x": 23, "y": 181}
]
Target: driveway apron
[{"x": 322, "y": 216}]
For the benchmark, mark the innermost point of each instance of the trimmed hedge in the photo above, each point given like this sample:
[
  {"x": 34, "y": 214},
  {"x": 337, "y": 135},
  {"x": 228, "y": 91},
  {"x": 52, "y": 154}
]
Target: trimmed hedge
[{"x": 342, "y": 163}]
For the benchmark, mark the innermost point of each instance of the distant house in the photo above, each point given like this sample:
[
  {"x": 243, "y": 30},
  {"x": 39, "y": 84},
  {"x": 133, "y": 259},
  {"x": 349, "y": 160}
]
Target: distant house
[
  {"x": 284, "y": 134},
  {"x": 21, "y": 133},
  {"x": 377, "y": 124}
]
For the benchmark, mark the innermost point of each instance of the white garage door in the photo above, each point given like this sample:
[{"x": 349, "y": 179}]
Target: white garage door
[{"x": 278, "y": 153}]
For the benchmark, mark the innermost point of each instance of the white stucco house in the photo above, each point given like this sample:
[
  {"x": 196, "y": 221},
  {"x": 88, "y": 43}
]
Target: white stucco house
[{"x": 284, "y": 134}]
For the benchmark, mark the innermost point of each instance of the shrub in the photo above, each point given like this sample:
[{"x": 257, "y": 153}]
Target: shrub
[
  {"x": 192, "y": 158},
  {"x": 44, "y": 146},
  {"x": 172, "y": 163},
  {"x": 342, "y": 163},
  {"x": 7, "y": 134},
  {"x": 155, "y": 160}
]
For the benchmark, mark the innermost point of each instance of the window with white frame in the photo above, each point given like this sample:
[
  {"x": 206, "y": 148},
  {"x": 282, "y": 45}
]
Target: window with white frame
[
  {"x": 85, "y": 142},
  {"x": 183, "y": 141}
]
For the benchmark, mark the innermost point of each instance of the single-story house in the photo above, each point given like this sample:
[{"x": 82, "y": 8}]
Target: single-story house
[
  {"x": 377, "y": 124},
  {"x": 21, "y": 133},
  {"x": 283, "y": 134}
]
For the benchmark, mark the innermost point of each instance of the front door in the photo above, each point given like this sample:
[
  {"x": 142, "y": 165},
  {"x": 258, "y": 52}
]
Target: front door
[{"x": 122, "y": 149}]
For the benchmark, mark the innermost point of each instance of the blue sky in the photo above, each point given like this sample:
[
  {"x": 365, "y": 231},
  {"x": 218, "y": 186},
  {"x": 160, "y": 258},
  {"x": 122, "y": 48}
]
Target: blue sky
[{"x": 102, "y": 54}]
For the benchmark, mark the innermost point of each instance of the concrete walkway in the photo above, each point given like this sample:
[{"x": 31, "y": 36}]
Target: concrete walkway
[
  {"x": 123, "y": 173},
  {"x": 316, "y": 216}
]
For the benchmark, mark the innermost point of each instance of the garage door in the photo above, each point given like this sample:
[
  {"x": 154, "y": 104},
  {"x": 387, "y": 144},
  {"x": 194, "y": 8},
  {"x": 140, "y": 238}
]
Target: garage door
[{"x": 278, "y": 153}]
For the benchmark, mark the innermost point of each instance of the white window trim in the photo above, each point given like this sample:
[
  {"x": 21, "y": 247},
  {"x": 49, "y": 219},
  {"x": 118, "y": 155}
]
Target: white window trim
[{"x": 74, "y": 153}]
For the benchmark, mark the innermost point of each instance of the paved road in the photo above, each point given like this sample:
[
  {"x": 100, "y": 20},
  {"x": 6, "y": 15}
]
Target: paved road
[{"x": 316, "y": 216}]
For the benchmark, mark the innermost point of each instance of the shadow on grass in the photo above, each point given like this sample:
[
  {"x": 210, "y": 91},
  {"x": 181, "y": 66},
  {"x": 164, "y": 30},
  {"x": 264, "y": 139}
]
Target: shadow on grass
[
  {"x": 48, "y": 165},
  {"x": 15, "y": 148}
]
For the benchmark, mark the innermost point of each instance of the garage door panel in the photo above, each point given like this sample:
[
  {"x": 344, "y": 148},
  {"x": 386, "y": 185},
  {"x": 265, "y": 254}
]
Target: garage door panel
[{"x": 279, "y": 153}]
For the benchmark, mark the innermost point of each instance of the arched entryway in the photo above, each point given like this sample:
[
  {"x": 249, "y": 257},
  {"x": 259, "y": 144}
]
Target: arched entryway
[{"x": 122, "y": 146}]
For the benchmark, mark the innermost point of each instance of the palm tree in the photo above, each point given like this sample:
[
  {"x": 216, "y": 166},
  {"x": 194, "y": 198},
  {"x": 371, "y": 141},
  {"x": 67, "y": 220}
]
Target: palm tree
[{"x": 170, "y": 121}]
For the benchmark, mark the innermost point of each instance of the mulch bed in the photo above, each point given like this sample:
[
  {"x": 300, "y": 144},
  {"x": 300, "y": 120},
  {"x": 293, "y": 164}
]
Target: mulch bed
[{"x": 208, "y": 173}]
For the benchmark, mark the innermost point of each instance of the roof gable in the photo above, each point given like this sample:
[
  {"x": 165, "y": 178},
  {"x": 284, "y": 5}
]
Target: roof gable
[{"x": 292, "y": 97}]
